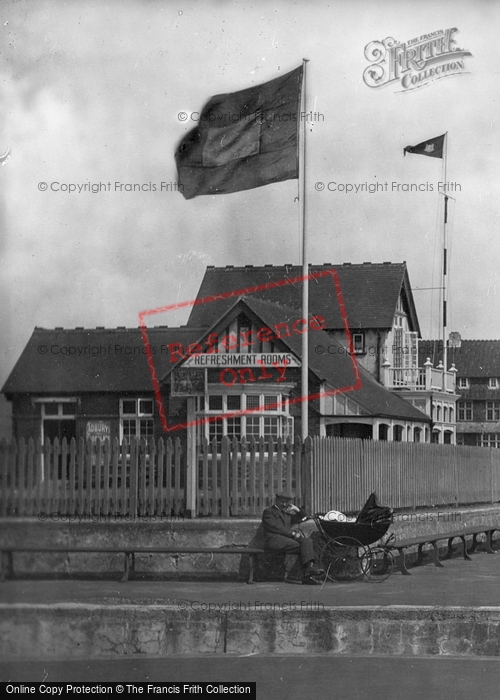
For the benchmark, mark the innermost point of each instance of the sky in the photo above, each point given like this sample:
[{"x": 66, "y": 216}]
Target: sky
[{"x": 91, "y": 93}]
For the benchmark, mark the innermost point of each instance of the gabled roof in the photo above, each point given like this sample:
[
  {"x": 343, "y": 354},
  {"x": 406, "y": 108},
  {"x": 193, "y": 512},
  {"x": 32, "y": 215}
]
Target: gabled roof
[
  {"x": 101, "y": 359},
  {"x": 370, "y": 292},
  {"x": 474, "y": 358},
  {"x": 337, "y": 369},
  {"x": 113, "y": 360}
]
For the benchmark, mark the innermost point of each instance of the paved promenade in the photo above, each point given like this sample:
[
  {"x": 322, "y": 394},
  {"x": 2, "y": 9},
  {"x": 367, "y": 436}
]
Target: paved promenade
[
  {"x": 459, "y": 583},
  {"x": 449, "y": 611}
]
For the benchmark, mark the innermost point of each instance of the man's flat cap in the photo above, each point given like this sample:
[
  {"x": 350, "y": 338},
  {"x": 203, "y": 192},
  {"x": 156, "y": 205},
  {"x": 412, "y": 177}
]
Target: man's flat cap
[{"x": 284, "y": 496}]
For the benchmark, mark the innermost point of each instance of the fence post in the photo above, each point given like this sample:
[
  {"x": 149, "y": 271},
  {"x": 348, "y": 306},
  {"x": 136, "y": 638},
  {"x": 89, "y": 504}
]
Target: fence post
[
  {"x": 191, "y": 507},
  {"x": 307, "y": 477},
  {"x": 492, "y": 481},
  {"x": 4, "y": 490},
  {"x": 234, "y": 485},
  {"x": 224, "y": 477},
  {"x": 134, "y": 477}
]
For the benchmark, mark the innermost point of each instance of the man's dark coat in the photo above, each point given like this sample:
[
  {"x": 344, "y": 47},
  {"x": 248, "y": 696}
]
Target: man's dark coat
[{"x": 277, "y": 522}]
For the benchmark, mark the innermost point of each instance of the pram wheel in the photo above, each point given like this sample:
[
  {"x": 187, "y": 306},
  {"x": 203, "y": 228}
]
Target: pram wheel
[
  {"x": 380, "y": 565},
  {"x": 345, "y": 559}
]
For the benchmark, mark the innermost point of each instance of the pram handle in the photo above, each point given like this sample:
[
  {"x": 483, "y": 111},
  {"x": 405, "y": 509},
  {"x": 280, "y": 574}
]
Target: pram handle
[{"x": 312, "y": 517}]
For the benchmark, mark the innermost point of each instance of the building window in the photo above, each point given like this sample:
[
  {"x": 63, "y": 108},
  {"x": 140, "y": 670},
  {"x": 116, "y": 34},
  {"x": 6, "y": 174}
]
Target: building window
[
  {"x": 270, "y": 403},
  {"x": 492, "y": 383},
  {"x": 233, "y": 403},
  {"x": 463, "y": 383},
  {"x": 58, "y": 410},
  {"x": 490, "y": 440},
  {"x": 269, "y": 416},
  {"x": 465, "y": 410},
  {"x": 234, "y": 428},
  {"x": 493, "y": 410},
  {"x": 383, "y": 431},
  {"x": 252, "y": 402},
  {"x": 215, "y": 430},
  {"x": 345, "y": 407},
  {"x": 59, "y": 420},
  {"x": 215, "y": 403},
  {"x": 358, "y": 343},
  {"x": 397, "y": 433},
  {"x": 136, "y": 418},
  {"x": 404, "y": 349}
]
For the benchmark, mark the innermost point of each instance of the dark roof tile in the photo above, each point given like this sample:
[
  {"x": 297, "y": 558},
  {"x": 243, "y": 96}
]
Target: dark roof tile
[
  {"x": 337, "y": 370},
  {"x": 474, "y": 358},
  {"x": 370, "y": 292},
  {"x": 100, "y": 360},
  {"x": 371, "y": 396}
]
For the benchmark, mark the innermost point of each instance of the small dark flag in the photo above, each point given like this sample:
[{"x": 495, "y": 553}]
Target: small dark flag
[
  {"x": 431, "y": 147},
  {"x": 243, "y": 140}
]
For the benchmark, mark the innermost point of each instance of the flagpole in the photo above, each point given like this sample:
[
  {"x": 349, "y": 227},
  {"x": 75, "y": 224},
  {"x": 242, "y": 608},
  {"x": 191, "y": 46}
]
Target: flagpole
[
  {"x": 445, "y": 261},
  {"x": 305, "y": 266}
]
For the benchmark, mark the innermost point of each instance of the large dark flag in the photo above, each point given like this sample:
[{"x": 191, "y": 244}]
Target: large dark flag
[
  {"x": 243, "y": 140},
  {"x": 431, "y": 147}
]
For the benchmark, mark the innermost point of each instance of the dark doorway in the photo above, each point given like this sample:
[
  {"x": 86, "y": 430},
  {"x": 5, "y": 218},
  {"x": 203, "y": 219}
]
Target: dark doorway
[
  {"x": 350, "y": 430},
  {"x": 397, "y": 433},
  {"x": 59, "y": 429},
  {"x": 383, "y": 431},
  {"x": 65, "y": 428}
]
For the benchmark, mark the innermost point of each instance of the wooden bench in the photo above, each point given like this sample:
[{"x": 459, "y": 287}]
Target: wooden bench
[
  {"x": 433, "y": 540},
  {"x": 129, "y": 554}
]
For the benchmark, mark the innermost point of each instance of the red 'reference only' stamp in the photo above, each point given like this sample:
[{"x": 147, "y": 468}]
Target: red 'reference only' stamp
[{"x": 229, "y": 376}]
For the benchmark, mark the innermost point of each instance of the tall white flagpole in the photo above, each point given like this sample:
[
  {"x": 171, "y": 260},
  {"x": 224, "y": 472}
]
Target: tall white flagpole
[
  {"x": 305, "y": 265},
  {"x": 445, "y": 262}
]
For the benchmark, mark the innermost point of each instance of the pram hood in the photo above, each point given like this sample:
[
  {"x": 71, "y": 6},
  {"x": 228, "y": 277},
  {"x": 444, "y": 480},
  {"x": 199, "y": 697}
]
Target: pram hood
[{"x": 372, "y": 512}]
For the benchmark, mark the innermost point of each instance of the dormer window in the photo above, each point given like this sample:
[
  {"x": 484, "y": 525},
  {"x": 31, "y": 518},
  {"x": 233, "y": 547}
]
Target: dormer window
[
  {"x": 463, "y": 383},
  {"x": 358, "y": 343},
  {"x": 493, "y": 383}
]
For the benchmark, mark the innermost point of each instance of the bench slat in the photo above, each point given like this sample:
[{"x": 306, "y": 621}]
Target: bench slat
[
  {"x": 434, "y": 539},
  {"x": 429, "y": 539},
  {"x": 142, "y": 550},
  {"x": 129, "y": 553}
]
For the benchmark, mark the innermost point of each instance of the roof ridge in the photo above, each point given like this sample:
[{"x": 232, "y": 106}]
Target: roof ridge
[
  {"x": 118, "y": 328},
  {"x": 463, "y": 340},
  {"x": 268, "y": 302},
  {"x": 234, "y": 268}
]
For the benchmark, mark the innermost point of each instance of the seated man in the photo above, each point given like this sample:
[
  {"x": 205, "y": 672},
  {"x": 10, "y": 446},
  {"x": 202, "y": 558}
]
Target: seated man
[{"x": 277, "y": 521}]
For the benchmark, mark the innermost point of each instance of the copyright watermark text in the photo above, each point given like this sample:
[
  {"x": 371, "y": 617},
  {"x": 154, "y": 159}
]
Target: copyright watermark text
[
  {"x": 103, "y": 518},
  {"x": 443, "y": 516},
  {"x": 251, "y": 605},
  {"x": 374, "y": 350},
  {"x": 259, "y": 116},
  {"x": 100, "y": 350},
  {"x": 97, "y": 187},
  {"x": 374, "y": 187}
]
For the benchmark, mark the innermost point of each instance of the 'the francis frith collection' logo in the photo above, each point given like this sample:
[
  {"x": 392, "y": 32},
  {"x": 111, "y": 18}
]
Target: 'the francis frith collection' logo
[{"x": 417, "y": 62}]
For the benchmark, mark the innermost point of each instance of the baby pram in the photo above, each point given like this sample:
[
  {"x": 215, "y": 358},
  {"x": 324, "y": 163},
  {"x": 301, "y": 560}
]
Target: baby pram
[{"x": 346, "y": 550}]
